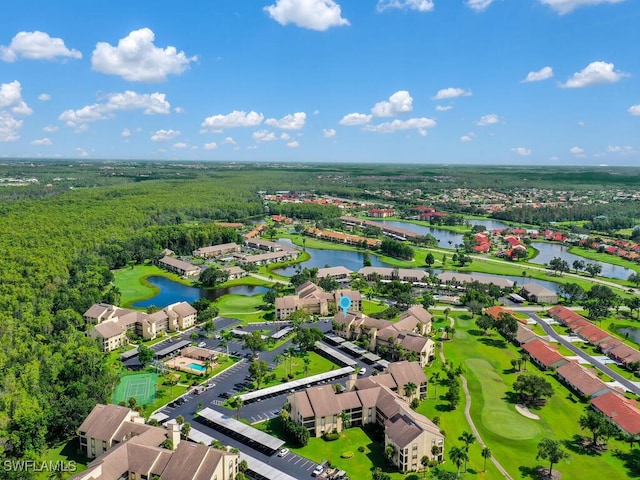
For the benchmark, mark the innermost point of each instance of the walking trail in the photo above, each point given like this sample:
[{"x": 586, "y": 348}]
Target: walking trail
[{"x": 467, "y": 414}]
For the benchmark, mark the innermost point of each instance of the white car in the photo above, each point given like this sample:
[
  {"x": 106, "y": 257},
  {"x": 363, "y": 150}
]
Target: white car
[
  {"x": 283, "y": 452},
  {"x": 202, "y": 344},
  {"x": 318, "y": 470},
  {"x": 362, "y": 371}
]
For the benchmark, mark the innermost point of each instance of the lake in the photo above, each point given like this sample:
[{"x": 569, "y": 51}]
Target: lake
[
  {"x": 490, "y": 224},
  {"x": 630, "y": 332},
  {"x": 172, "y": 292},
  {"x": 321, "y": 258},
  {"x": 443, "y": 236},
  {"x": 550, "y": 250}
]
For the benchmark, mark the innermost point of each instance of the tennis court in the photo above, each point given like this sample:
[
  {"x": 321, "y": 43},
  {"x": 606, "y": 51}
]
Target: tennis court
[{"x": 142, "y": 387}]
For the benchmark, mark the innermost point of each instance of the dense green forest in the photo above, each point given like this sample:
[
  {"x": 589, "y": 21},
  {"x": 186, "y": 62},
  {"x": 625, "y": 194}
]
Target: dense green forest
[{"x": 61, "y": 236}]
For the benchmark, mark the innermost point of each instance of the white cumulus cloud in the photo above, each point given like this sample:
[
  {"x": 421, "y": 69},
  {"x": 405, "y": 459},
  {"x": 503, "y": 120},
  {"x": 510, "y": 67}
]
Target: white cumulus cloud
[
  {"x": 82, "y": 152},
  {"x": 36, "y": 46},
  {"x": 42, "y": 141},
  {"x": 451, "y": 92},
  {"x": 165, "y": 135},
  {"x": 419, "y": 124},
  {"x": 522, "y": 151},
  {"x": 468, "y": 137},
  {"x": 44, "y": 97},
  {"x": 149, "y": 103},
  {"x": 595, "y": 73},
  {"x": 567, "y": 6},
  {"x": 634, "y": 110},
  {"x": 328, "y": 132},
  {"x": 576, "y": 150},
  {"x": 543, "y": 74},
  {"x": 355, "y": 119},
  {"x": 125, "y": 132},
  {"x": 229, "y": 141},
  {"x": 294, "y": 144},
  {"x": 317, "y": 15},
  {"x": 479, "y": 5},
  {"x": 293, "y": 121},
  {"x": 490, "y": 119},
  {"x": 180, "y": 145},
  {"x": 263, "y": 136},
  {"x": 137, "y": 59},
  {"x": 50, "y": 128},
  {"x": 210, "y": 146},
  {"x": 234, "y": 119},
  {"x": 443, "y": 108},
  {"x": 399, "y": 102},
  {"x": 11, "y": 99},
  {"x": 9, "y": 127},
  {"x": 418, "y": 5},
  {"x": 285, "y": 136}
]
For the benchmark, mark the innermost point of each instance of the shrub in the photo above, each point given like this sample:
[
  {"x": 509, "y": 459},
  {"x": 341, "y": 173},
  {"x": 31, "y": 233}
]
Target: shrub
[
  {"x": 347, "y": 454},
  {"x": 415, "y": 403},
  {"x": 330, "y": 436},
  {"x": 361, "y": 449}
]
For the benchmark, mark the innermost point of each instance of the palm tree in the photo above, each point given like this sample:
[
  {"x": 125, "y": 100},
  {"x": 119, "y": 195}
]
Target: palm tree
[
  {"x": 458, "y": 456},
  {"x": 237, "y": 403},
  {"x": 409, "y": 389},
  {"x": 307, "y": 362},
  {"x": 346, "y": 419},
  {"x": 435, "y": 378},
  {"x": 486, "y": 453},
  {"x": 467, "y": 438}
]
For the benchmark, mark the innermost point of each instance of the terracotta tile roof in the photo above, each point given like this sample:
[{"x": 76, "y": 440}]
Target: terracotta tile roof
[
  {"x": 543, "y": 353},
  {"x": 582, "y": 379},
  {"x": 622, "y": 411}
]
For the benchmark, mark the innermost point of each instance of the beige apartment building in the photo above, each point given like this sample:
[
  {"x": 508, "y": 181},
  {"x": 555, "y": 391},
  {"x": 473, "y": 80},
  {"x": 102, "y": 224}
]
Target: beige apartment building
[{"x": 314, "y": 300}]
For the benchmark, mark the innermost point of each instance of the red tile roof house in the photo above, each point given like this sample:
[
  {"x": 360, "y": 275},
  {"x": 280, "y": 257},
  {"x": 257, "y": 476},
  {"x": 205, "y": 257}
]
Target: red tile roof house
[
  {"x": 591, "y": 334},
  {"x": 563, "y": 314},
  {"x": 495, "y": 312},
  {"x": 624, "y": 354},
  {"x": 543, "y": 354},
  {"x": 582, "y": 380},
  {"x": 620, "y": 410}
]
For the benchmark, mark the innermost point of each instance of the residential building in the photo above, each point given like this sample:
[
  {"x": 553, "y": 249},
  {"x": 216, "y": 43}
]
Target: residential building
[
  {"x": 459, "y": 279},
  {"x": 215, "y": 251},
  {"x": 180, "y": 267},
  {"x": 381, "y": 212},
  {"x": 371, "y": 400},
  {"x": 538, "y": 294},
  {"x": 388, "y": 338},
  {"x": 112, "y": 323},
  {"x": 235, "y": 272},
  {"x": 582, "y": 380},
  {"x": 337, "y": 273},
  {"x": 314, "y": 300},
  {"x": 124, "y": 447},
  {"x": 497, "y": 311},
  {"x": 621, "y": 411},
  {"x": 388, "y": 273},
  {"x": 543, "y": 354}
]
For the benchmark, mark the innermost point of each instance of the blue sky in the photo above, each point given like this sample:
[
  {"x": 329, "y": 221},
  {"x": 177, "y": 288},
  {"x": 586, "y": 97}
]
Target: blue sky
[{"x": 407, "y": 81}]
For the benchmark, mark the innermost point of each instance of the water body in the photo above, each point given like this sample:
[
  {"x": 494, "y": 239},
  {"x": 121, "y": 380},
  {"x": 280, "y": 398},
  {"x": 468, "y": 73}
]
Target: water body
[
  {"x": 443, "y": 236},
  {"x": 172, "y": 292},
  {"x": 490, "y": 224},
  {"x": 550, "y": 250},
  {"x": 321, "y": 258},
  {"x": 630, "y": 332}
]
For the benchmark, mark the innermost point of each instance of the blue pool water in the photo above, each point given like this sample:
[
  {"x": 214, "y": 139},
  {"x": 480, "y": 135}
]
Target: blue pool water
[{"x": 198, "y": 367}]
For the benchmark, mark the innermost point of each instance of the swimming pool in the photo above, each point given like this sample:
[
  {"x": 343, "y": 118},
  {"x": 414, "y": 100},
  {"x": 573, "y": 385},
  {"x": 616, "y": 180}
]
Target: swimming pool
[{"x": 198, "y": 367}]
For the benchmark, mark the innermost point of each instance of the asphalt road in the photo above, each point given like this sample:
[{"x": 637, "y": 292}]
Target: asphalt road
[
  {"x": 229, "y": 382},
  {"x": 579, "y": 352}
]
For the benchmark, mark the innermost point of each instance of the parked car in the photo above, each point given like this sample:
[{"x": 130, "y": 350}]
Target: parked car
[
  {"x": 202, "y": 344},
  {"x": 362, "y": 371},
  {"x": 318, "y": 470},
  {"x": 283, "y": 452}
]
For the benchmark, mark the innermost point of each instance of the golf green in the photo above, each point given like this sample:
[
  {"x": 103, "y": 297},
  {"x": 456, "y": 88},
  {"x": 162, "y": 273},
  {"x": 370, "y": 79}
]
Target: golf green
[{"x": 497, "y": 415}]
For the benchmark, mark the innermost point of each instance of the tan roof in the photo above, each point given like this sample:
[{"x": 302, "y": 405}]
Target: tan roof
[
  {"x": 538, "y": 290},
  {"x": 174, "y": 262},
  {"x": 234, "y": 270},
  {"x": 414, "y": 342},
  {"x": 401, "y": 430},
  {"x": 460, "y": 277},
  {"x": 419, "y": 312},
  {"x": 352, "y": 294},
  {"x": 334, "y": 271},
  {"x": 185, "y": 461},
  {"x": 581, "y": 378},
  {"x": 193, "y": 352},
  {"x": 348, "y": 400},
  {"x": 110, "y": 329},
  {"x": 104, "y": 421},
  {"x": 323, "y": 400},
  {"x": 369, "y": 396},
  {"x": 98, "y": 310},
  {"x": 289, "y": 301},
  {"x": 304, "y": 405},
  {"x": 217, "y": 248},
  {"x": 405, "y": 372},
  {"x": 183, "y": 309}
]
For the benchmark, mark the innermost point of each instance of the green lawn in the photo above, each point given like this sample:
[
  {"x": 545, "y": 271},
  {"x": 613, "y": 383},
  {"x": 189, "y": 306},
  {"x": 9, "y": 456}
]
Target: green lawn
[
  {"x": 133, "y": 285},
  {"x": 605, "y": 258},
  {"x": 246, "y": 308},
  {"x": 318, "y": 364},
  {"x": 369, "y": 307},
  {"x": 65, "y": 453},
  {"x": 512, "y": 438}
]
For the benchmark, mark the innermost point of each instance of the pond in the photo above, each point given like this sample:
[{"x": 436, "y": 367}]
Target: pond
[
  {"x": 172, "y": 292},
  {"x": 490, "y": 224},
  {"x": 321, "y": 258},
  {"x": 550, "y": 250},
  {"x": 630, "y": 332},
  {"x": 443, "y": 236}
]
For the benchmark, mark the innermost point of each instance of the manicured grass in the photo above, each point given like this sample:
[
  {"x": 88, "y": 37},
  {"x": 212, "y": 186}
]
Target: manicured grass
[
  {"x": 369, "y": 307},
  {"x": 318, "y": 364},
  {"x": 248, "y": 280},
  {"x": 490, "y": 377},
  {"x": 246, "y": 308},
  {"x": 133, "y": 285},
  {"x": 64, "y": 453}
]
